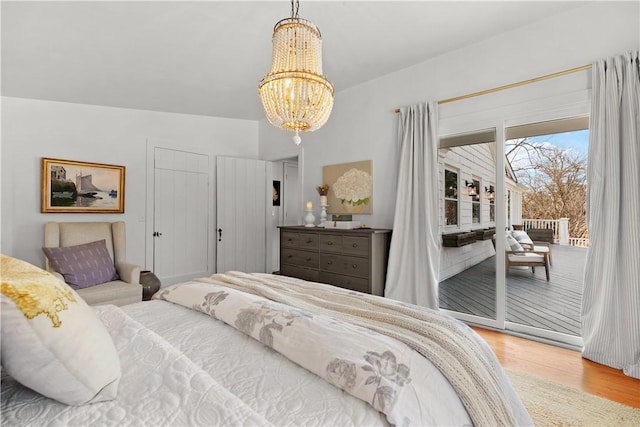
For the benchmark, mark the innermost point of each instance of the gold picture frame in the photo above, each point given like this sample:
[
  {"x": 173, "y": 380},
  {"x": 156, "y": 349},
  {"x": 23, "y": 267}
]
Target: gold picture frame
[{"x": 70, "y": 186}]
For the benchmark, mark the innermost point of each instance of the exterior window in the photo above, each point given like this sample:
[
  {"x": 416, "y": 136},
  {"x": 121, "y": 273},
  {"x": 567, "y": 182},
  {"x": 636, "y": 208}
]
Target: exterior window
[
  {"x": 509, "y": 207},
  {"x": 450, "y": 197},
  {"x": 492, "y": 205},
  {"x": 475, "y": 203}
]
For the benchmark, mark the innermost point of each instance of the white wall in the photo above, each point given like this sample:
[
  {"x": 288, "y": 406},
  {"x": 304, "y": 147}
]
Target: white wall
[
  {"x": 32, "y": 129},
  {"x": 363, "y": 123}
]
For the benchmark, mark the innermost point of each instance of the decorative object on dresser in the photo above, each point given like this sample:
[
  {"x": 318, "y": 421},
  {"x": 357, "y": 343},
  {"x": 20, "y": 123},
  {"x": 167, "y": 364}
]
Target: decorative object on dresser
[
  {"x": 309, "y": 218},
  {"x": 323, "y": 190},
  {"x": 351, "y": 259}
]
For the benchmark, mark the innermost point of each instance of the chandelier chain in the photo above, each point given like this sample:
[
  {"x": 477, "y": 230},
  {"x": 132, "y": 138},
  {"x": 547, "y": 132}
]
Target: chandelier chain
[{"x": 295, "y": 9}]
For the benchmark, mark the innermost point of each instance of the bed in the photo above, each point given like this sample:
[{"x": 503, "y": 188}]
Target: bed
[{"x": 259, "y": 349}]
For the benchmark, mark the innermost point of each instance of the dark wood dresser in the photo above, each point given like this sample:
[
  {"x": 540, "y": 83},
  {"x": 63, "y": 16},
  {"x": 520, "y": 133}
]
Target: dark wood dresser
[{"x": 352, "y": 259}]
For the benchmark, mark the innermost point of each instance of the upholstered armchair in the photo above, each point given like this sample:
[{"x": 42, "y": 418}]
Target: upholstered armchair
[{"x": 127, "y": 289}]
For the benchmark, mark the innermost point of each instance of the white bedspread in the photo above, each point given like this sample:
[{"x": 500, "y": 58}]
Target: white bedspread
[
  {"x": 159, "y": 386},
  {"x": 281, "y": 391}
]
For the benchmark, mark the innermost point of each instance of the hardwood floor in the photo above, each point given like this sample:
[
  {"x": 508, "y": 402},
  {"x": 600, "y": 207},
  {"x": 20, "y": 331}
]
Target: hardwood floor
[{"x": 562, "y": 366}]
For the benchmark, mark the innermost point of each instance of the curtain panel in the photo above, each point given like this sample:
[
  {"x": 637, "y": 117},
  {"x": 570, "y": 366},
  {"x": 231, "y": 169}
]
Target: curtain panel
[
  {"x": 414, "y": 257},
  {"x": 611, "y": 300}
]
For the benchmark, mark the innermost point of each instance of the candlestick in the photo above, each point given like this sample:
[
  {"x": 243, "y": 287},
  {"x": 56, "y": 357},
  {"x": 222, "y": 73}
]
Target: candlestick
[
  {"x": 309, "y": 218},
  {"x": 323, "y": 213}
]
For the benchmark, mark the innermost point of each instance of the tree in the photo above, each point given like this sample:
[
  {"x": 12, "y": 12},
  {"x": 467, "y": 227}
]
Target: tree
[{"x": 555, "y": 179}]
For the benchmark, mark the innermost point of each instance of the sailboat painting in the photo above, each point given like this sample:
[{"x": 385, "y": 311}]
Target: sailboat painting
[{"x": 81, "y": 187}]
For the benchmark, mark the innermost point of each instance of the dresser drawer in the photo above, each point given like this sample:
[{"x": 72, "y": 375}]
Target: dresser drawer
[
  {"x": 342, "y": 264},
  {"x": 355, "y": 245},
  {"x": 299, "y": 272},
  {"x": 308, "y": 241},
  {"x": 289, "y": 239},
  {"x": 330, "y": 243},
  {"x": 354, "y": 283},
  {"x": 298, "y": 257}
]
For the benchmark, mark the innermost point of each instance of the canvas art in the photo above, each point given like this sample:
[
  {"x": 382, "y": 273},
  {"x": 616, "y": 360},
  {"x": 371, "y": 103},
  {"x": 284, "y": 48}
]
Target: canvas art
[
  {"x": 350, "y": 188},
  {"x": 81, "y": 187}
]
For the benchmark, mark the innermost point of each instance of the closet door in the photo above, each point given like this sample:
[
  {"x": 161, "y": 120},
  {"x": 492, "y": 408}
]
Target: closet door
[
  {"x": 181, "y": 212},
  {"x": 242, "y": 194}
]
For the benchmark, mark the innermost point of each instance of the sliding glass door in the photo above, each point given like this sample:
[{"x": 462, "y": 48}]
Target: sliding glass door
[
  {"x": 467, "y": 169},
  {"x": 546, "y": 186}
]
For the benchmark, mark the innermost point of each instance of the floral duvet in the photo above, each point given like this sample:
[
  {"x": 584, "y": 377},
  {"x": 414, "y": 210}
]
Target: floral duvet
[{"x": 344, "y": 346}]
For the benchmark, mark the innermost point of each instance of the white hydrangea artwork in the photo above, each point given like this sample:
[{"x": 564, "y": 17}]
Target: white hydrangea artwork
[{"x": 351, "y": 187}]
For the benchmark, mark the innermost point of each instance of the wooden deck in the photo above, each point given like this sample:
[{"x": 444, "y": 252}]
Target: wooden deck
[{"x": 531, "y": 300}]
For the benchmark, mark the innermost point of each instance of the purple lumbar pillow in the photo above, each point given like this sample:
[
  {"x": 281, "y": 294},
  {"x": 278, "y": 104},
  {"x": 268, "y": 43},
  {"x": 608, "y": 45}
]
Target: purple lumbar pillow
[{"x": 83, "y": 265}]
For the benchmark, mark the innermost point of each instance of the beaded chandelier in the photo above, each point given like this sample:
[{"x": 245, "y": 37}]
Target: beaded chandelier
[{"x": 295, "y": 95}]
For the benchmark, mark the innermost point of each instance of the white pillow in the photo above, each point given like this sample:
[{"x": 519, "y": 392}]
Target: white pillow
[
  {"x": 522, "y": 237},
  {"x": 52, "y": 341},
  {"x": 512, "y": 244}
]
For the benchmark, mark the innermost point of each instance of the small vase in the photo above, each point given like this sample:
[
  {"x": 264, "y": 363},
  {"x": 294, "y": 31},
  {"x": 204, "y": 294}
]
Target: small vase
[{"x": 150, "y": 284}]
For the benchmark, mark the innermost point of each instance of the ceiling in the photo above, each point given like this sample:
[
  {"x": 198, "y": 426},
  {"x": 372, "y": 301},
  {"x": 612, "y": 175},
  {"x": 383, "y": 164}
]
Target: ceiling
[{"x": 206, "y": 57}]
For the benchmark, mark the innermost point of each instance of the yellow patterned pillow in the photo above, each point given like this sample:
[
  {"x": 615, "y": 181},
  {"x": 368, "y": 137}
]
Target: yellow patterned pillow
[{"x": 52, "y": 341}]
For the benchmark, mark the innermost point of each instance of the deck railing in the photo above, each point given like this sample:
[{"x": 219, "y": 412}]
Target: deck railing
[
  {"x": 560, "y": 229},
  {"x": 553, "y": 224},
  {"x": 579, "y": 241}
]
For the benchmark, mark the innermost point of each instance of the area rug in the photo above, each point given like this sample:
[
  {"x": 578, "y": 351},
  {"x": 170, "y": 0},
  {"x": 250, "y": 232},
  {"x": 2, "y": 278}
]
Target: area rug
[{"x": 552, "y": 404}]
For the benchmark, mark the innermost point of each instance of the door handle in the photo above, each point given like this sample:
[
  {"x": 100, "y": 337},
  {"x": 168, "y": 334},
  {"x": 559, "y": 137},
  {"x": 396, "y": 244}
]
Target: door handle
[
  {"x": 157, "y": 234},
  {"x": 219, "y": 234}
]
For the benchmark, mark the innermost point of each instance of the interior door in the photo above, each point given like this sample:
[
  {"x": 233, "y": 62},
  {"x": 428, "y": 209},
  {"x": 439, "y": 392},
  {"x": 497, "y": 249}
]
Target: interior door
[
  {"x": 242, "y": 194},
  {"x": 181, "y": 212},
  {"x": 292, "y": 203}
]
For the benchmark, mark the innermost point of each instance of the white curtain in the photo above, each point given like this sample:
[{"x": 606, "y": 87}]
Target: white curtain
[
  {"x": 611, "y": 301},
  {"x": 414, "y": 258}
]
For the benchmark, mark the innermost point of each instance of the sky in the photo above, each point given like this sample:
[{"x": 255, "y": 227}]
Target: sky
[{"x": 577, "y": 140}]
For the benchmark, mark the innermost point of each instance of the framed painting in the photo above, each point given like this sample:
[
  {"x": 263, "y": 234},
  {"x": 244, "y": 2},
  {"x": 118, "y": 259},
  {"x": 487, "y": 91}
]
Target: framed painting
[
  {"x": 350, "y": 188},
  {"x": 81, "y": 187},
  {"x": 276, "y": 193}
]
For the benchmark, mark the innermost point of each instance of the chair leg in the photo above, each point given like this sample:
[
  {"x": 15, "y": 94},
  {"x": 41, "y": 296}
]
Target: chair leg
[{"x": 546, "y": 269}]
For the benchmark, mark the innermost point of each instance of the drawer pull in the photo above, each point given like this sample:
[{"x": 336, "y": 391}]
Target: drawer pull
[
  {"x": 330, "y": 243},
  {"x": 329, "y": 262},
  {"x": 309, "y": 241},
  {"x": 289, "y": 240},
  {"x": 354, "y": 265},
  {"x": 308, "y": 259},
  {"x": 355, "y": 245},
  {"x": 289, "y": 256}
]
